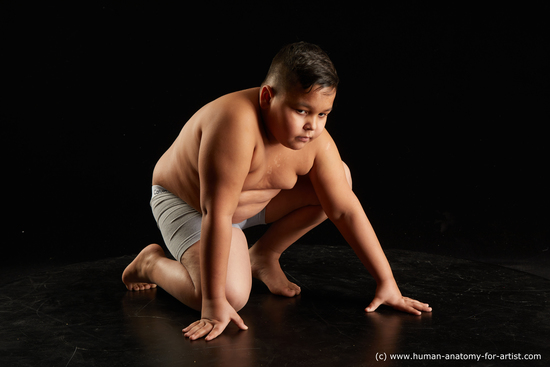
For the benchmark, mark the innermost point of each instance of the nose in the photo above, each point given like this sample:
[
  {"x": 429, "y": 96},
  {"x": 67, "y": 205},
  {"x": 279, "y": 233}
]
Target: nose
[{"x": 311, "y": 123}]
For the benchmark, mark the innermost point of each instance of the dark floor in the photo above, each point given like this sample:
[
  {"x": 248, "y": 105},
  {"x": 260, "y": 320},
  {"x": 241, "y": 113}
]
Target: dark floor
[{"x": 82, "y": 315}]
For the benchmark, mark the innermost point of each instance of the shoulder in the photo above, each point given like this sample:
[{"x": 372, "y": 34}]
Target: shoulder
[
  {"x": 231, "y": 120},
  {"x": 237, "y": 110},
  {"x": 326, "y": 155},
  {"x": 242, "y": 104},
  {"x": 324, "y": 144},
  {"x": 321, "y": 151}
]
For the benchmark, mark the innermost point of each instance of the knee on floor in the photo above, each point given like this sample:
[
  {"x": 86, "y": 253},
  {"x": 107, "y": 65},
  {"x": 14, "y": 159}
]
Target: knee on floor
[{"x": 237, "y": 296}]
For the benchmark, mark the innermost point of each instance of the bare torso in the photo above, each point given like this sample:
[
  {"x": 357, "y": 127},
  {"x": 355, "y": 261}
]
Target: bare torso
[{"x": 273, "y": 167}]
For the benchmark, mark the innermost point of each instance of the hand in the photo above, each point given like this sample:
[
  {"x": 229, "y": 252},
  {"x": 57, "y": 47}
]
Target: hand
[
  {"x": 388, "y": 294},
  {"x": 216, "y": 315}
]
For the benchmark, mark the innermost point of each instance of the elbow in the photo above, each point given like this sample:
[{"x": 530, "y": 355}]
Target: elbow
[
  {"x": 337, "y": 212},
  {"x": 338, "y": 217},
  {"x": 340, "y": 214},
  {"x": 216, "y": 217}
]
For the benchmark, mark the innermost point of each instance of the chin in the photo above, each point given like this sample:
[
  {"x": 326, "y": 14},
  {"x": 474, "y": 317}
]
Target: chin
[{"x": 296, "y": 145}]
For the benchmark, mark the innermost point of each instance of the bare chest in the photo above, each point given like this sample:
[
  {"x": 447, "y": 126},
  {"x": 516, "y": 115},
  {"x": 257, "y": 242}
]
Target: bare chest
[
  {"x": 268, "y": 176},
  {"x": 276, "y": 170}
]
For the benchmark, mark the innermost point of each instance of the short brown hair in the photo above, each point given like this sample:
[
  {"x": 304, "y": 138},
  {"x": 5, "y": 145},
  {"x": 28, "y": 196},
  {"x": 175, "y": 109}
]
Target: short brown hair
[{"x": 302, "y": 63}]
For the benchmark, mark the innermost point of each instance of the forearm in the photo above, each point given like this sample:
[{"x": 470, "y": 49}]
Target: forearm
[
  {"x": 214, "y": 252},
  {"x": 358, "y": 232}
]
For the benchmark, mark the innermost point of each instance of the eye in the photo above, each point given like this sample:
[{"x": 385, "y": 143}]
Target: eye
[
  {"x": 321, "y": 115},
  {"x": 301, "y": 112}
]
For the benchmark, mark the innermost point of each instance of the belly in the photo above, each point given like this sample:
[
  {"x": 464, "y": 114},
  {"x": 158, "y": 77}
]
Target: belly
[{"x": 252, "y": 202}]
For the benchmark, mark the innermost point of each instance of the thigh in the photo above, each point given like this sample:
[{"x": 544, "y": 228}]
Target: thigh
[
  {"x": 239, "y": 276},
  {"x": 178, "y": 222}
]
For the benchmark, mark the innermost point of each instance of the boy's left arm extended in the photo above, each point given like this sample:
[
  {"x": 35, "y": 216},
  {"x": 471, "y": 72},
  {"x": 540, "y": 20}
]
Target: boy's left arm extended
[{"x": 345, "y": 211}]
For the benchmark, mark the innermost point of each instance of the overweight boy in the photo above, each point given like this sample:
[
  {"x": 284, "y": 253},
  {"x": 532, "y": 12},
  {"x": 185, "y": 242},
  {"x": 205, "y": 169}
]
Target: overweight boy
[{"x": 256, "y": 156}]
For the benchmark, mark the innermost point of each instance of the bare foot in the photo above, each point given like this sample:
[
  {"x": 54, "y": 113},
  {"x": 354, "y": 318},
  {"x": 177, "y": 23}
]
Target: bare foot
[
  {"x": 269, "y": 271},
  {"x": 135, "y": 275}
]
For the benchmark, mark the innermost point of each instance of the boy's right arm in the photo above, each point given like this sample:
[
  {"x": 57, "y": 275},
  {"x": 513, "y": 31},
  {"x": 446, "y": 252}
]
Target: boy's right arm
[{"x": 224, "y": 162}]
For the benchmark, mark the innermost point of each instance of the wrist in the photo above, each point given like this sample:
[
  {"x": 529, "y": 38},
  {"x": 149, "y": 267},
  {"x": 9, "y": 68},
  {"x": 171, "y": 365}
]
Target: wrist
[
  {"x": 213, "y": 299},
  {"x": 389, "y": 280}
]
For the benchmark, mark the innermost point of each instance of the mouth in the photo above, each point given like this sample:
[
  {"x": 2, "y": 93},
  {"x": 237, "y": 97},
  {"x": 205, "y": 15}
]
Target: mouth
[{"x": 303, "y": 139}]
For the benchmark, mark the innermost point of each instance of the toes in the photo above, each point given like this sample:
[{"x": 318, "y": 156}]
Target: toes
[
  {"x": 292, "y": 291},
  {"x": 141, "y": 286}
]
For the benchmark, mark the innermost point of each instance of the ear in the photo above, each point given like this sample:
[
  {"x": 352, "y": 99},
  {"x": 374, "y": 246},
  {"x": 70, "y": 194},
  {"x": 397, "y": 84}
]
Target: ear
[{"x": 266, "y": 96}]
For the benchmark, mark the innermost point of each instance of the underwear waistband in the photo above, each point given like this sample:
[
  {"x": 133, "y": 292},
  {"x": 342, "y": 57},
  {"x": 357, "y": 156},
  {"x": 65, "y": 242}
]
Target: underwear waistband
[{"x": 157, "y": 189}]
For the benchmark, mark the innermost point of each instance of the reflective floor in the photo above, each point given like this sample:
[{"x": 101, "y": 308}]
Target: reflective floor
[{"x": 82, "y": 315}]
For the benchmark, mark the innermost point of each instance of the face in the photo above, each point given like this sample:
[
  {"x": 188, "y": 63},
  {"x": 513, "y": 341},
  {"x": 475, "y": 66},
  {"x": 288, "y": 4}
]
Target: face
[{"x": 295, "y": 118}]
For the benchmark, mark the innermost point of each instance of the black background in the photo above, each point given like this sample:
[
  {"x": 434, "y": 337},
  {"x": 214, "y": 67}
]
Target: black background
[{"x": 442, "y": 115}]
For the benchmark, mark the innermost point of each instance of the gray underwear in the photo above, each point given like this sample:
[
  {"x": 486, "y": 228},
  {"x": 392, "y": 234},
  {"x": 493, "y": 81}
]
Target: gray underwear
[{"x": 180, "y": 224}]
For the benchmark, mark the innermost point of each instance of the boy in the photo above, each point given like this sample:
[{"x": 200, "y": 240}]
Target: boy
[{"x": 260, "y": 155}]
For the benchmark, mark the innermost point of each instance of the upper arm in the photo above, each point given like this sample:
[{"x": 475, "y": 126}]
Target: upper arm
[
  {"x": 225, "y": 154},
  {"x": 330, "y": 182}
]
